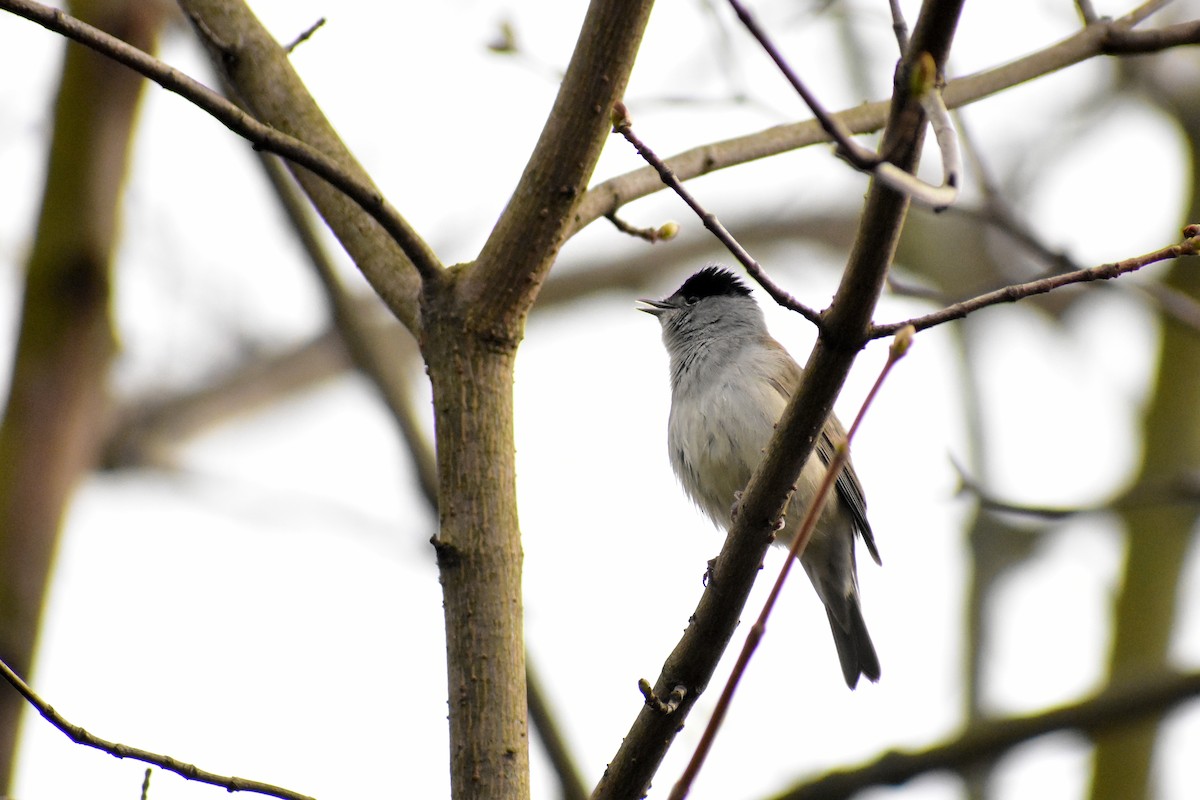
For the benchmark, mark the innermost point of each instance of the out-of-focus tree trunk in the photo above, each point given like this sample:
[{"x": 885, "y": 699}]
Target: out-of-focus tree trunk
[
  {"x": 1158, "y": 536},
  {"x": 56, "y": 411},
  {"x": 1158, "y": 539}
]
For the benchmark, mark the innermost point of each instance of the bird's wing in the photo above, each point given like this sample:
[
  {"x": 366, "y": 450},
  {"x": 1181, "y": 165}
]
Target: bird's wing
[{"x": 848, "y": 487}]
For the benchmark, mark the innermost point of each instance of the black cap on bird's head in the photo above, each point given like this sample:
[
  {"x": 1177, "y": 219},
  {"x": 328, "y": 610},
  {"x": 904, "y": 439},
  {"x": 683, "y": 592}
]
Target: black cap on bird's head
[{"x": 712, "y": 281}]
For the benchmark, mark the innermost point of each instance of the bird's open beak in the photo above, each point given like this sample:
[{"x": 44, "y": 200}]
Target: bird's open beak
[{"x": 656, "y": 306}]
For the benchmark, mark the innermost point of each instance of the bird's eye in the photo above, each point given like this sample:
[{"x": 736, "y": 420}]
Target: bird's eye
[{"x": 691, "y": 300}]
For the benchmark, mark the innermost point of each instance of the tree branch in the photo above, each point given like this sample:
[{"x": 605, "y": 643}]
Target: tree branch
[
  {"x": 265, "y": 137},
  {"x": 525, "y": 241},
  {"x": 610, "y": 195},
  {"x": 1010, "y": 294},
  {"x": 193, "y": 773},
  {"x": 384, "y": 361},
  {"x": 856, "y": 154},
  {"x": 986, "y": 740},
  {"x": 1126, "y": 42},
  {"x": 474, "y": 322},
  {"x": 624, "y": 126},
  {"x": 262, "y": 79}
]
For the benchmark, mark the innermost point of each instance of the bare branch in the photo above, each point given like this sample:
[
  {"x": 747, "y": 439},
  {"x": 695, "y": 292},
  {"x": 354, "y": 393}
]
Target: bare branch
[
  {"x": 930, "y": 97},
  {"x": 1178, "y": 305},
  {"x": 612, "y": 194},
  {"x": 1115, "y": 707},
  {"x": 359, "y": 189},
  {"x": 262, "y": 136},
  {"x": 193, "y": 773},
  {"x": 970, "y": 486},
  {"x": 1122, "y": 41},
  {"x": 1009, "y": 294},
  {"x": 304, "y": 36},
  {"x": 505, "y": 279},
  {"x": 899, "y": 26},
  {"x": 663, "y": 233},
  {"x": 860, "y": 157},
  {"x": 1180, "y": 490},
  {"x": 385, "y": 361},
  {"x": 624, "y": 126}
]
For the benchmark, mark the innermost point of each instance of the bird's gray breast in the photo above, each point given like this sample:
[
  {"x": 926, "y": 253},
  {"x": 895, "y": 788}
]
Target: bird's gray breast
[{"x": 722, "y": 416}]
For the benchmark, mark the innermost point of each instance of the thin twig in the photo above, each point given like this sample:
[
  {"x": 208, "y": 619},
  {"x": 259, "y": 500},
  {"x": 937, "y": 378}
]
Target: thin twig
[
  {"x": 663, "y": 233},
  {"x": 1123, "y": 41},
  {"x": 618, "y": 191},
  {"x": 624, "y": 126},
  {"x": 860, "y": 157},
  {"x": 812, "y": 513},
  {"x": 1009, "y": 294},
  {"x": 1180, "y": 490},
  {"x": 899, "y": 26},
  {"x": 929, "y": 95},
  {"x": 305, "y": 35},
  {"x": 902, "y": 288},
  {"x": 263, "y": 137},
  {"x": 927, "y": 92},
  {"x": 376, "y": 357},
  {"x": 80, "y": 736}
]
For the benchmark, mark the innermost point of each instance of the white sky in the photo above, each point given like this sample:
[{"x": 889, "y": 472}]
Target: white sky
[{"x": 273, "y": 612}]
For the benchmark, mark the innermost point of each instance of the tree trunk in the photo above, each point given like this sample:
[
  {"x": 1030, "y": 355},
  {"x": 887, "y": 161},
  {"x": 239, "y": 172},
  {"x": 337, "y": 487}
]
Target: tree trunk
[{"x": 56, "y": 412}]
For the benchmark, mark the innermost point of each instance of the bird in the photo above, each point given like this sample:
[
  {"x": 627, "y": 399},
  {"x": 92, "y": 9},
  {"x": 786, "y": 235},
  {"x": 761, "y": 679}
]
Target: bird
[{"x": 730, "y": 382}]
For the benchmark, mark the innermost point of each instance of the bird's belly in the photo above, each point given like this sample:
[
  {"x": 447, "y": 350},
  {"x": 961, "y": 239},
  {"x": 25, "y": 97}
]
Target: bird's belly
[{"x": 715, "y": 446}]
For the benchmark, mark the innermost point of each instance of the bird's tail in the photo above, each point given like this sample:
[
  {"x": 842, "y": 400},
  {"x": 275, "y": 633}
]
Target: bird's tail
[{"x": 854, "y": 647}]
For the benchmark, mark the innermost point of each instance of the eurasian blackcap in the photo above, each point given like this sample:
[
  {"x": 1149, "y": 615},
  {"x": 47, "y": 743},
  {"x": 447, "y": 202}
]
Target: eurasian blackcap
[{"x": 730, "y": 382}]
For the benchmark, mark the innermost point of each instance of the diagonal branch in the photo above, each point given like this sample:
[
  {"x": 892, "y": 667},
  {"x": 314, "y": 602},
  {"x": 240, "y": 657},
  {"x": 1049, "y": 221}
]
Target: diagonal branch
[
  {"x": 263, "y": 137},
  {"x": 263, "y": 81},
  {"x": 984, "y": 741},
  {"x": 1190, "y": 246},
  {"x": 193, "y": 773},
  {"x": 624, "y": 126},
  {"x": 858, "y": 155},
  {"x": 385, "y": 362},
  {"x": 526, "y": 239}
]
